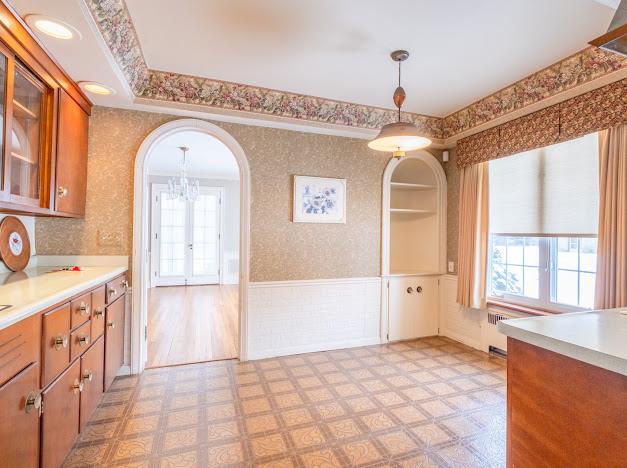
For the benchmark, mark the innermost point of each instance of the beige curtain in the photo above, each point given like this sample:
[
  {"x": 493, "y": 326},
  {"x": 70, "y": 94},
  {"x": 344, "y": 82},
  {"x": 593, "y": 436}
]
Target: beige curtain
[
  {"x": 473, "y": 235},
  {"x": 611, "y": 281}
]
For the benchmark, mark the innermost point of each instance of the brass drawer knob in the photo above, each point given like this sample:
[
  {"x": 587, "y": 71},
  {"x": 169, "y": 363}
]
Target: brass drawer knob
[
  {"x": 33, "y": 401},
  {"x": 83, "y": 339},
  {"x": 410, "y": 290},
  {"x": 88, "y": 375},
  {"x": 125, "y": 284},
  {"x": 418, "y": 289},
  {"x": 62, "y": 192},
  {"x": 77, "y": 387},
  {"x": 83, "y": 309},
  {"x": 60, "y": 341},
  {"x": 98, "y": 313},
  {"x": 111, "y": 324},
  {"x": 113, "y": 292}
]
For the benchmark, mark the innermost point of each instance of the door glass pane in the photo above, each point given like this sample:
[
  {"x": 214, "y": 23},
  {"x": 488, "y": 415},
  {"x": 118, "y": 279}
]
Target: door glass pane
[
  {"x": 3, "y": 86},
  {"x": 205, "y": 235},
  {"x": 172, "y": 229},
  {"x": 28, "y": 100}
]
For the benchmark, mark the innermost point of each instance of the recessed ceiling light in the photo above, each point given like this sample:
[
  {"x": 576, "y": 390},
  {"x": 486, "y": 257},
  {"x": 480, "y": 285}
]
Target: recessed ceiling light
[
  {"x": 53, "y": 27},
  {"x": 96, "y": 88}
]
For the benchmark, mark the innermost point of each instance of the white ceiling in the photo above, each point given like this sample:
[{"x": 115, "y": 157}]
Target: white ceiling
[
  {"x": 207, "y": 157},
  {"x": 461, "y": 50}
]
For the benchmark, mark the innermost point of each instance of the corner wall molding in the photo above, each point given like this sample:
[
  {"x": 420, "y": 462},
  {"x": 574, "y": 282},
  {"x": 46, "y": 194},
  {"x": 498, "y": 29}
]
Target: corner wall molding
[{"x": 114, "y": 22}]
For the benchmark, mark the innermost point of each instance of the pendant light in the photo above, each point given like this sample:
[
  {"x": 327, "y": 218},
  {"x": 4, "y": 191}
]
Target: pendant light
[
  {"x": 399, "y": 137},
  {"x": 182, "y": 187}
]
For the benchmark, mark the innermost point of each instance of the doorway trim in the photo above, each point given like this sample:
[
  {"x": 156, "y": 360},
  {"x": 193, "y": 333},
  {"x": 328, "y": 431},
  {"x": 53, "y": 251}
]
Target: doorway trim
[{"x": 141, "y": 232}]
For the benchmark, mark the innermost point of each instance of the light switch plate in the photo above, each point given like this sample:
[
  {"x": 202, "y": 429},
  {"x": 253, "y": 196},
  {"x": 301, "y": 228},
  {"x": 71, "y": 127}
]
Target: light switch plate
[{"x": 451, "y": 267}]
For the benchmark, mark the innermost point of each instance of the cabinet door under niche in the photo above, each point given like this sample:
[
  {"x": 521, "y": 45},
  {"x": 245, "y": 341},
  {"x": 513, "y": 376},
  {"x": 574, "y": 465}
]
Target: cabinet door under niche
[{"x": 413, "y": 305}]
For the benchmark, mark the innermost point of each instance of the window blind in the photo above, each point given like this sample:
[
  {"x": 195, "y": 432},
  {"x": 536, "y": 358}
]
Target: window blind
[{"x": 547, "y": 191}]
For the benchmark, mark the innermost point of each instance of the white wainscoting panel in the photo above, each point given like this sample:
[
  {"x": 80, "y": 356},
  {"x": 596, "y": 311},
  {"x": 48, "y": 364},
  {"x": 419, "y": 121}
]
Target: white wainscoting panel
[
  {"x": 457, "y": 322},
  {"x": 291, "y": 317}
]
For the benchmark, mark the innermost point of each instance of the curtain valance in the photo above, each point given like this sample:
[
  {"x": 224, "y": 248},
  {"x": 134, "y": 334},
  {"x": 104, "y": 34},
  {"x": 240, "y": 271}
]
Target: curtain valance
[{"x": 590, "y": 112}]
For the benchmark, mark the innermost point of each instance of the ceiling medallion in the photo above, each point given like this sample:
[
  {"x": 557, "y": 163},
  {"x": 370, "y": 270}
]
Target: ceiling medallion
[{"x": 399, "y": 137}]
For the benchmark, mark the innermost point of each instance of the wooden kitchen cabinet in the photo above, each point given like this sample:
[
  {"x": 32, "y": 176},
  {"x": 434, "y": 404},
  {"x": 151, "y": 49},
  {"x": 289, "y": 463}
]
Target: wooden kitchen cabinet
[
  {"x": 71, "y": 166},
  {"x": 114, "y": 340},
  {"x": 55, "y": 342},
  {"x": 60, "y": 419},
  {"x": 98, "y": 312},
  {"x": 44, "y": 123},
  {"x": 19, "y": 421},
  {"x": 92, "y": 373}
]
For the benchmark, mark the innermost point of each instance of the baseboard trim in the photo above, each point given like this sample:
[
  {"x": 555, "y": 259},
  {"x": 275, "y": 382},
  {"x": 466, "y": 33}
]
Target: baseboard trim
[
  {"x": 332, "y": 346},
  {"x": 124, "y": 370},
  {"x": 461, "y": 338}
]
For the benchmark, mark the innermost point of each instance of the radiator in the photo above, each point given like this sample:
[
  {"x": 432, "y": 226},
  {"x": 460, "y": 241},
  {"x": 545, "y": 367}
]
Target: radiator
[{"x": 492, "y": 340}]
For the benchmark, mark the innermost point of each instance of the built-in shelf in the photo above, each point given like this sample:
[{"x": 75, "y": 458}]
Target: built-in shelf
[
  {"x": 408, "y": 186},
  {"x": 22, "y": 111},
  {"x": 411, "y": 211},
  {"x": 22, "y": 158}
]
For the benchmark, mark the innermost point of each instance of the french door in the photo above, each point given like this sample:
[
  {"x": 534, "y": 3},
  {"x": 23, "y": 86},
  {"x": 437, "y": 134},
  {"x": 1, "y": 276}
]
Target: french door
[{"x": 185, "y": 242}]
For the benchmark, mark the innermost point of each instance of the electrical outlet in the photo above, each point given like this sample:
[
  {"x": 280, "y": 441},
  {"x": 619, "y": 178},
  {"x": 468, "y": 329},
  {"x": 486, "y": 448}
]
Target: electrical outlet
[
  {"x": 109, "y": 239},
  {"x": 451, "y": 267}
]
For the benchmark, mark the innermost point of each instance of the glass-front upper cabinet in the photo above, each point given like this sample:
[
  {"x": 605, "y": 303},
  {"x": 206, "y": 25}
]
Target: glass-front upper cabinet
[{"x": 27, "y": 136}]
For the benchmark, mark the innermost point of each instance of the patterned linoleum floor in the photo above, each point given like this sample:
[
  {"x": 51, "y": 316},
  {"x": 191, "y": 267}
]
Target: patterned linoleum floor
[{"x": 429, "y": 402}]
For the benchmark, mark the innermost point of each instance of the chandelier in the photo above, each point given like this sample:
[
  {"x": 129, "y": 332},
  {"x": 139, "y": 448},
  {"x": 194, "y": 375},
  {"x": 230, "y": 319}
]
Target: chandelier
[
  {"x": 181, "y": 187},
  {"x": 399, "y": 137}
]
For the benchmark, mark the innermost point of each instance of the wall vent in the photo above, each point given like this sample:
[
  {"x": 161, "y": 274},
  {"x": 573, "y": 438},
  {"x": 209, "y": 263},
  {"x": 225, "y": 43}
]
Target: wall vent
[{"x": 494, "y": 318}]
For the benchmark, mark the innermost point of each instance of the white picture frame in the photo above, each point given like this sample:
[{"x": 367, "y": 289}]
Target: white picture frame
[{"x": 319, "y": 200}]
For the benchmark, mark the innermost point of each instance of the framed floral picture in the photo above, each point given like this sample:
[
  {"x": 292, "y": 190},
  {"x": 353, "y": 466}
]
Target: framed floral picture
[{"x": 319, "y": 200}]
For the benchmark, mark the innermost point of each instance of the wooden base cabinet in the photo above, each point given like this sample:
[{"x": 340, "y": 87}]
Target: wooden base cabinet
[
  {"x": 20, "y": 402},
  {"x": 92, "y": 373},
  {"x": 114, "y": 340},
  {"x": 60, "y": 419}
]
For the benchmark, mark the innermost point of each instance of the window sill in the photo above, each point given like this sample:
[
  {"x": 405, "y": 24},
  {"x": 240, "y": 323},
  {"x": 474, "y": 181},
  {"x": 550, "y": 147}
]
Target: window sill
[{"x": 521, "y": 308}]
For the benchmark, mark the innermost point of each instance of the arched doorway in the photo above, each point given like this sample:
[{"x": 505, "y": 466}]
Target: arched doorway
[{"x": 141, "y": 230}]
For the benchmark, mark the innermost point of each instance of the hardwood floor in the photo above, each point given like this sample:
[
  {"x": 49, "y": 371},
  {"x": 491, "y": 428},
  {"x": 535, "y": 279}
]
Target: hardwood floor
[{"x": 189, "y": 324}]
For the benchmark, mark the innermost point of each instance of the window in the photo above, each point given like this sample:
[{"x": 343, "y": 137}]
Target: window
[
  {"x": 556, "y": 273},
  {"x": 543, "y": 219}
]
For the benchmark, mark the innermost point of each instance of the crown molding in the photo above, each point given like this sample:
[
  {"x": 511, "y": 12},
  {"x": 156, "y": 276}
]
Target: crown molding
[{"x": 587, "y": 69}]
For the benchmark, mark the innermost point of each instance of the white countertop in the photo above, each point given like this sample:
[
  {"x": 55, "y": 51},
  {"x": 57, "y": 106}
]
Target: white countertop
[
  {"x": 30, "y": 291},
  {"x": 596, "y": 337}
]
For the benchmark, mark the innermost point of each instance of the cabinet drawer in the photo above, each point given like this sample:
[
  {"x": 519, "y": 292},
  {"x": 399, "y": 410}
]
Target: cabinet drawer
[
  {"x": 55, "y": 343},
  {"x": 80, "y": 340},
  {"x": 92, "y": 373},
  {"x": 81, "y": 309},
  {"x": 114, "y": 341},
  {"x": 97, "y": 312},
  {"x": 59, "y": 424},
  {"x": 19, "y": 346},
  {"x": 19, "y": 423},
  {"x": 116, "y": 288}
]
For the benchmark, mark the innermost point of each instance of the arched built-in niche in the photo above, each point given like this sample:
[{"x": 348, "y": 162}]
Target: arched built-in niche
[
  {"x": 414, "y": 216},
  {"x": 413, "y": 253}
]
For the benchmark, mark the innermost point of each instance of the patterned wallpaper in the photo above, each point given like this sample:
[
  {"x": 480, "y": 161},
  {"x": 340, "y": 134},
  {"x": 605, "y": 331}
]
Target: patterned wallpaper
[{"x": 280, "y": 249}]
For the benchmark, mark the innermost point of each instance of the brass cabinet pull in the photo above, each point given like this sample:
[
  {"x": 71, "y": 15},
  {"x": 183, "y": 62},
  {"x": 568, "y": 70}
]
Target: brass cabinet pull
[
  {"x": 33, "y": 401},
  {"x": 112, "y": 292},
  {"x": 125, "y": 284},
  {"x": 77, "y": 387},
  {"x": 410, "y": 290},
  {"x": 418, "y": 289},
  {"x": 83, "y": 309},
  {"x": 88, "y": 375},
  {"x": 83, "y": 339},
  {"x": 61, "y": 191},
  {"x": 111, "y": 324},
  {"x": 60, "y": 341},
  {"x": 98, "y": 312}
]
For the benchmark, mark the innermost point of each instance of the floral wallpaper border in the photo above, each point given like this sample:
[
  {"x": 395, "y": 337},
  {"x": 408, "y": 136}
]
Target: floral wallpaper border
[{"x": 116, "y": 27}]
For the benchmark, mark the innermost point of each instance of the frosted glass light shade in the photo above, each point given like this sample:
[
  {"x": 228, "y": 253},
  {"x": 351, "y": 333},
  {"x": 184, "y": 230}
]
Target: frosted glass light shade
[{"x": 399, "y": 136}]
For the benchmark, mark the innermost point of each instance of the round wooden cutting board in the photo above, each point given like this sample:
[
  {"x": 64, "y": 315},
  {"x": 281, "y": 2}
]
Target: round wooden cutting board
[{"x": 14, "y": 244}]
